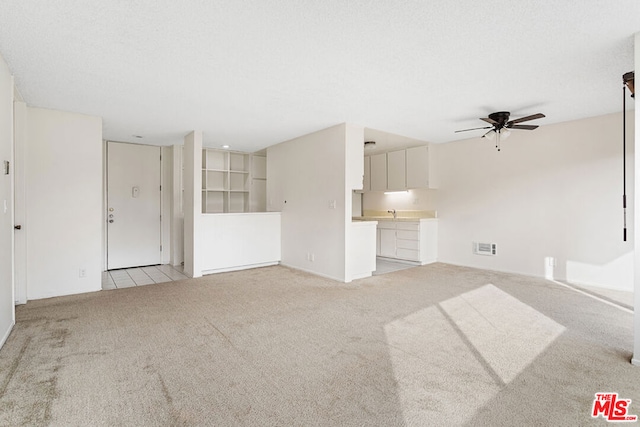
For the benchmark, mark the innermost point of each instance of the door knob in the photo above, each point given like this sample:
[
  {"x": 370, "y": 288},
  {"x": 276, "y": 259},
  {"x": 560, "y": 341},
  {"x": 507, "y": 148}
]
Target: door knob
[
  {"x": 17, "y": 227},
  {"x": 110, "y": 221}
]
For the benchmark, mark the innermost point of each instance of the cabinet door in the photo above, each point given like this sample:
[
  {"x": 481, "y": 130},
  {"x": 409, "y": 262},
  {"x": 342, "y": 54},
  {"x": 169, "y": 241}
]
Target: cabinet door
[
  {"x": 396, "y": 172},
  {"x": 378, "y": 172},
  {"x": 418, "y": 167},
  {"x": 367, "y": 174},
  {"x": 388, "y": 243},
  {"x": 378, "y": 242}
]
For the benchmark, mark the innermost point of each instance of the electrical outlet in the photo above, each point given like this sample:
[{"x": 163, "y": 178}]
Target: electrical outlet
[
  {"x": 82, "y": 272},
  {"x": 332, "y": 204},
  {"x": 312, "y": 257}
]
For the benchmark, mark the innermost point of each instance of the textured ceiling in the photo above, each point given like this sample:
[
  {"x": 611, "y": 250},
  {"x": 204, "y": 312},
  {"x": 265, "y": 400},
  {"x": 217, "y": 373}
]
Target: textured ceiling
[{"x": 254, "y": 73}]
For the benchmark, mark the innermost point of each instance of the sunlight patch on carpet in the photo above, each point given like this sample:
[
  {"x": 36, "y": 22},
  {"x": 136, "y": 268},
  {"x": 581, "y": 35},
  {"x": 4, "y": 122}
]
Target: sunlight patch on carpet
[{"x": 481, "y": 340}]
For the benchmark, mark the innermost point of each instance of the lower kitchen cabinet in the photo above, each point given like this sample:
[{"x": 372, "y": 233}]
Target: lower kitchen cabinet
[
  {"x": 408, "y": 240},
  {"x": 387, "y": 242}
]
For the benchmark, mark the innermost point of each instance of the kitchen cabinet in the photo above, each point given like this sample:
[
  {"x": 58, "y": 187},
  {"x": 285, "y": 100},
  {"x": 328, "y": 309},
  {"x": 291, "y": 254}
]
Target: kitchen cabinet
[
  {"x": 415, "y": 241},
  {"x": 378, "y": 169},
  {"x": 418, "y": 167},
  {"x": 366, "y": 182},
  {"x": 387, "y": 242},
  {"x": 396, "y": 170},
  {"x": 400, "y": 170}
]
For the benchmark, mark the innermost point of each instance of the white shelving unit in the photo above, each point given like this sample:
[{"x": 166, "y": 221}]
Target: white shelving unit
[{"x": 226, "y": 181}]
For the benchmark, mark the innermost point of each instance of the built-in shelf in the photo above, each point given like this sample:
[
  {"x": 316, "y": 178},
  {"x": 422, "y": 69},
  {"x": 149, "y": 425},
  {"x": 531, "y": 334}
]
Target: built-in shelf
[{"x": 227, "y": 181}]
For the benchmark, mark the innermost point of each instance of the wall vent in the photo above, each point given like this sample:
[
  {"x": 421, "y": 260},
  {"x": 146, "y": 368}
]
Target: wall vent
[{"x": 484, "y": 248}]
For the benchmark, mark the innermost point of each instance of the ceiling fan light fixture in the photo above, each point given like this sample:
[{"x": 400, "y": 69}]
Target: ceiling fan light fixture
[
  {"x": 504, "y": 133},
  {"x": 491, "y": 135},
  {"x": 369, "y": 144},
  {"x": 629, "y": 81}
]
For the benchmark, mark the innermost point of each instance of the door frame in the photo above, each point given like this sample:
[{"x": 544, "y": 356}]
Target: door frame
[
  {"x": 20, "y": 294},
  {"x": 166, "y": 182}
]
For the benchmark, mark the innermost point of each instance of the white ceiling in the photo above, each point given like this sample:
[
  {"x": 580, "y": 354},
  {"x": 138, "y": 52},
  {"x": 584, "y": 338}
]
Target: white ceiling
[{"x": 257, "y": 72}]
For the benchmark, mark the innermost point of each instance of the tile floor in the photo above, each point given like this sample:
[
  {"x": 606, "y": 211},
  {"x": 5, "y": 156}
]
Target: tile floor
[
  {"x": 386, "y": 266},
  {"x": 139, "y": 276}
]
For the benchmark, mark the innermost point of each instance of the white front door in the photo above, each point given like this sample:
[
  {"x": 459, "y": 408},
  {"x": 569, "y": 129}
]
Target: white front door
[{"x": 133, "y": 205}]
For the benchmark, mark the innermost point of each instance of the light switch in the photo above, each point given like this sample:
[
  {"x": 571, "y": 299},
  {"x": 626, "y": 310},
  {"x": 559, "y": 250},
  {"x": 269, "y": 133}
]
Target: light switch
[{"x": 332, "y": 204}]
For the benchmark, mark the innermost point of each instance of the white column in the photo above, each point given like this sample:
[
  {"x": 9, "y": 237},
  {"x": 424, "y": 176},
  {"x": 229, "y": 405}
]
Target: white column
[
  {"x": 636, "y": 223},
  {"x": 192, "y": 203},
  {"x": 177, "y": 217}
]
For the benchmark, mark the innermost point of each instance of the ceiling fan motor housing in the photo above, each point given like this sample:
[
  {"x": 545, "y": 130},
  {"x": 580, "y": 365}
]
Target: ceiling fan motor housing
[{"x": 501, "y": 117}]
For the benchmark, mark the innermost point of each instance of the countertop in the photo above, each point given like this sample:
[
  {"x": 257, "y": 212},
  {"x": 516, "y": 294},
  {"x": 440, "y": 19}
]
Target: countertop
[{"x": 390, "y": 218}]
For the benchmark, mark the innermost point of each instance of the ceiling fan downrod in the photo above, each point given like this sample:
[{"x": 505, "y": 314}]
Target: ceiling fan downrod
[{"x": 628, "y": 80}]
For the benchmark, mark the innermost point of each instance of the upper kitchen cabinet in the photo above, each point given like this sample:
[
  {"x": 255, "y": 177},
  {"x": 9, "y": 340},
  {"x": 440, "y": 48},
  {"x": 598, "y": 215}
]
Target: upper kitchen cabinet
[
  {"x": 379, "y": 172},
  {"x": 397, "y": 170},
  {"x": 408, "y": 169},
  {"x": 366, "y": 185},
  {"x": 418, "y": 167}
]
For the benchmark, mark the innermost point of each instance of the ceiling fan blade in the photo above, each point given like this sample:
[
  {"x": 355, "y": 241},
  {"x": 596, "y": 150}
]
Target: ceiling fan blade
[
  {"x": 526, "y": 119},
  {"x": 488, "y": 120},
  {"x": 526, "y": 127},
  {"x": 465, "y": 130}
]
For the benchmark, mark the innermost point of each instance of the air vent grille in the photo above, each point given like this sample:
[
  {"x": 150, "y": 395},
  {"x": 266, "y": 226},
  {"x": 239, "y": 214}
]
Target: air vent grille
[{"x": 484, "y": 248}]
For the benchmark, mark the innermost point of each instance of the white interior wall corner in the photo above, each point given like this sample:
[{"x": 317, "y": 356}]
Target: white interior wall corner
[
  {"x": 304, "y": 175},
  {"x": 636, "y": 229},
  {"x": 7, "y": 312}
]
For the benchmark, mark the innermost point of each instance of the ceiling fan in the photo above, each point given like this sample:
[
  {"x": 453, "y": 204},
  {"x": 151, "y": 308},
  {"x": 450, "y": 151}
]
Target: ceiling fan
[{"x": 501, "y": 125}]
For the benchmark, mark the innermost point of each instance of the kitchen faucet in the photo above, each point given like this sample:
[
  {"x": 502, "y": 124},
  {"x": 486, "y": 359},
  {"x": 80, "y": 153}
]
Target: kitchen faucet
[{"x": 393, "y": 212}]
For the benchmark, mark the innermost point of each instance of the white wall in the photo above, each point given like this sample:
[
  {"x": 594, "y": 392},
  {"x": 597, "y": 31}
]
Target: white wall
[
  {"x": 64, "y": 202},
  {"x": 553, "y": 192},
  {"x": 6, "y": 203},
  {"x": 192, "y": 203},
  {"x": 360, "y": 239},
  {"x": 304, "y": 177},
  {"x": 234, "y": 241},
  {"x": 635, "y": 236}
]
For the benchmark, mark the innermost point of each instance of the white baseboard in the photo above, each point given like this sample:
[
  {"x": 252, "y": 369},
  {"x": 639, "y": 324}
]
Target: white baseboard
[
  {"x": 326, "y": 276},
  {"x": 239, "y": 267},
  {"x": 6, "y": 335}
]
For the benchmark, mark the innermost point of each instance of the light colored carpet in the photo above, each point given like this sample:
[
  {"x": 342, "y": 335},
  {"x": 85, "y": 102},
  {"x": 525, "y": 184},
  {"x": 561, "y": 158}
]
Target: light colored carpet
[{"x": 432, "y": 345}]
